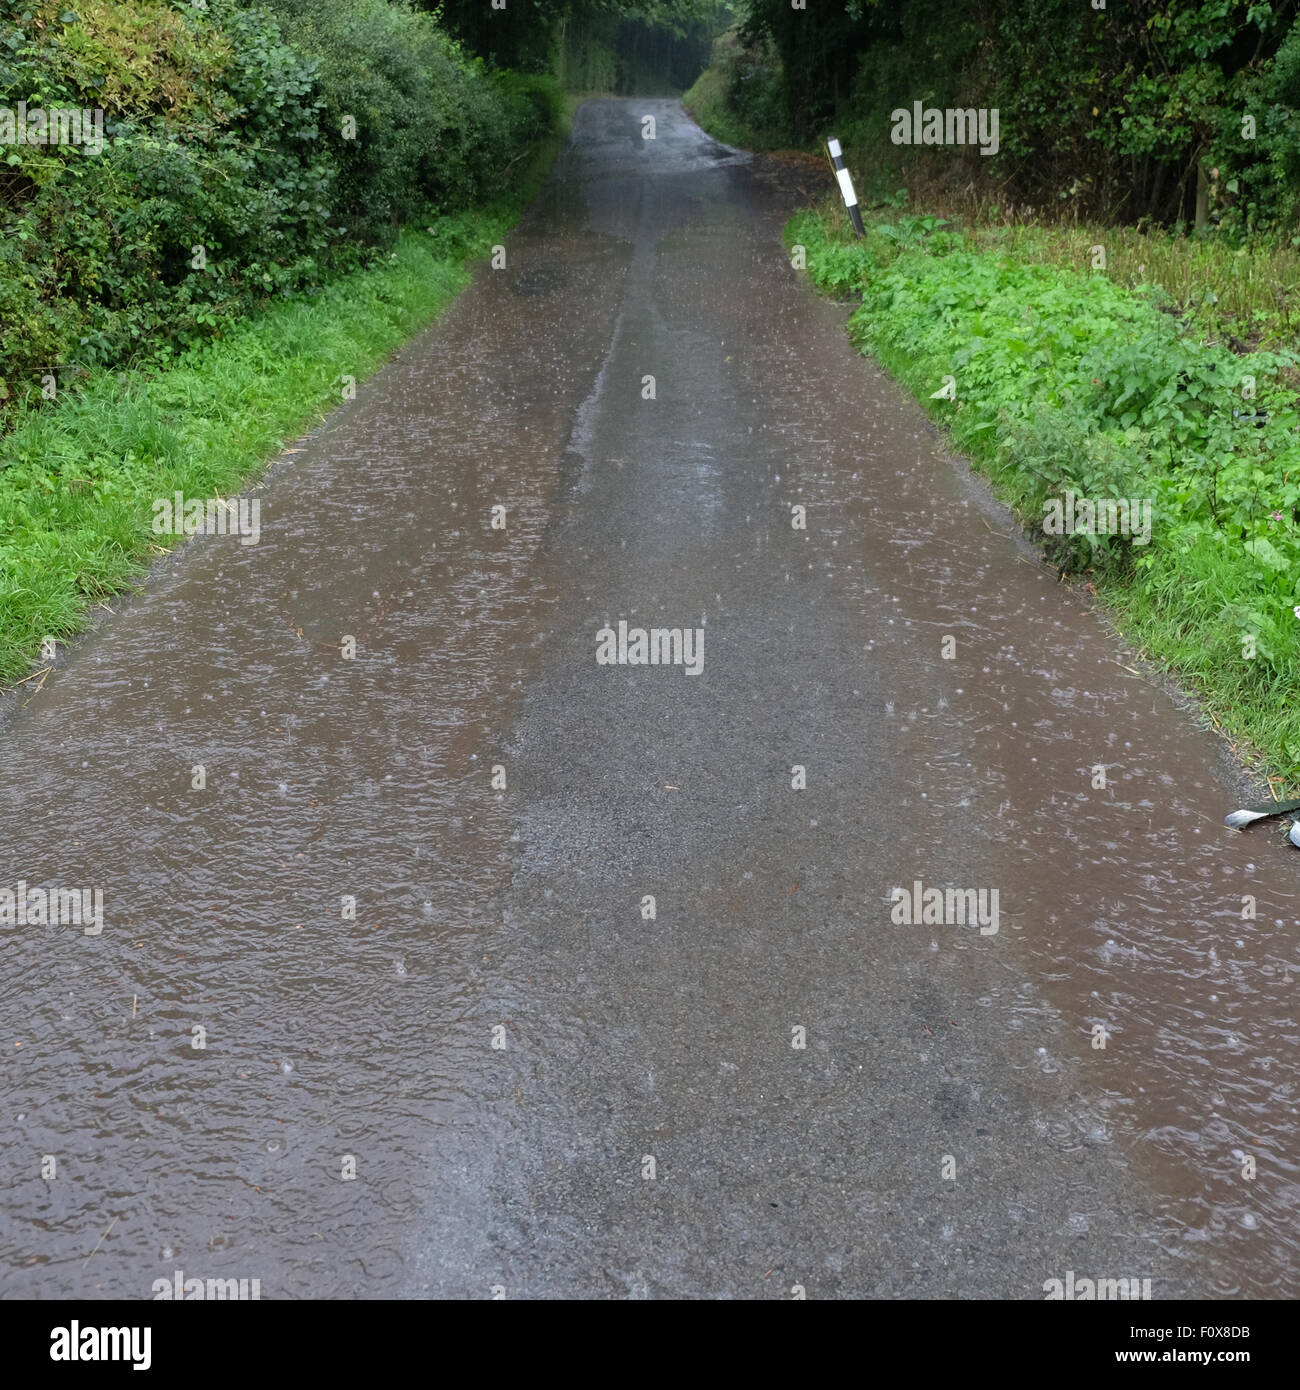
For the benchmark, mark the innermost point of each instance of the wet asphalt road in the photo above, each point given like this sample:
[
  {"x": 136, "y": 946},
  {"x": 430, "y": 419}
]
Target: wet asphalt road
[{"x": 542, "y": 1089}]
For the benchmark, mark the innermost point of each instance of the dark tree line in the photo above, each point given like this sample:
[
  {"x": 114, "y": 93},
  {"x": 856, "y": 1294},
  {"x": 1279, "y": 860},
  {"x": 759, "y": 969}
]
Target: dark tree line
[
  {"x": 1133, "y": 109},
  {"x": 629, "y": 45}
]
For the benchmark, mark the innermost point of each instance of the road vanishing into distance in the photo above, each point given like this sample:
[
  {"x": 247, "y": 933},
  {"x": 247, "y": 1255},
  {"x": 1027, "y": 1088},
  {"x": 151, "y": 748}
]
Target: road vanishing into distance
[{"x": 624, "y": 1009}]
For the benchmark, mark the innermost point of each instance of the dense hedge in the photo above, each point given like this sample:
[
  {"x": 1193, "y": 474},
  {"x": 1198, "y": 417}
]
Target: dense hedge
[
  {"x": 740, "y": 97},
  {"x": 250, "y": 151}
]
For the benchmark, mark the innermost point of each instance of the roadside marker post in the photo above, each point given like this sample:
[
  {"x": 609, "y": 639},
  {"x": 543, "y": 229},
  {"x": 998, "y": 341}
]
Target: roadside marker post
[{"x": 846, "y": 184}]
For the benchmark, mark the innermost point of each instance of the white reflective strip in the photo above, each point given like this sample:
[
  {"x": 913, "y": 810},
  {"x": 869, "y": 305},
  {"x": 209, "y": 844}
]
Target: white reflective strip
[
  {"x": 834, "y": 147},
  {"x": 846, "y": 187}
]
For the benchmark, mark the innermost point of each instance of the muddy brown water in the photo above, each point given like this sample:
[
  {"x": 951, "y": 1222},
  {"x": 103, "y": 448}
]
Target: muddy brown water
[{"x": 516, "y": 915}]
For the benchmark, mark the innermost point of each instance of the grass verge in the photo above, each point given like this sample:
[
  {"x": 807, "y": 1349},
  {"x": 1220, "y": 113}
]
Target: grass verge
[
  {"x": 1068, "y": 382},
  {"x": 711, "y": 101},
  {"x": 77, "y": 481}
]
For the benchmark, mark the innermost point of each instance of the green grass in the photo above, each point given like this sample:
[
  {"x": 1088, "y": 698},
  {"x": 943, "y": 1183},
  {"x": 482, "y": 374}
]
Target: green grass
[
  {"x": 1247, "y": 295},
  {"x": 706, "y": 104},
  {"x": 77, "y": 480},
  {"x": 1070, "y": 379}
]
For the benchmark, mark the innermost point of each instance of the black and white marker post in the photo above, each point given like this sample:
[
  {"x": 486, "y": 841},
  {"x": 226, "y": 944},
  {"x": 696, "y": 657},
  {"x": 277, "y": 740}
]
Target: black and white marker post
[{"x": 846, "y": 184}]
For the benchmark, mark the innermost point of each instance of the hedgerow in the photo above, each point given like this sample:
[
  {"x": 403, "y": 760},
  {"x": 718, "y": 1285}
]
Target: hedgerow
[{"x": 251, "y": 151}]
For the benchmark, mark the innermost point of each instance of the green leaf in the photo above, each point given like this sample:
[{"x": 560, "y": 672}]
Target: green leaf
[{"x": 1266, "y": 553}]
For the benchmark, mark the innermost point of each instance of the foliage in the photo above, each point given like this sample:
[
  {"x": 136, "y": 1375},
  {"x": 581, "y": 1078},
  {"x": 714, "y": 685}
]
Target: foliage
[
  {"x": 739, "y": 98},
  {"x": 230, "y": 174},
  {"x": 77, "y": 483},
  {"x": 1137, "y": 111},
  {"x": 625, "y": 46}
]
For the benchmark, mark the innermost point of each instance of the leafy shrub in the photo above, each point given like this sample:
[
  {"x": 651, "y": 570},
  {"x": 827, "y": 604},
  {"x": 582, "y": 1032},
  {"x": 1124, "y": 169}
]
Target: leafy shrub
[
  {"x": 740, "y": 97},
  {"x": 228, "y": 175}
]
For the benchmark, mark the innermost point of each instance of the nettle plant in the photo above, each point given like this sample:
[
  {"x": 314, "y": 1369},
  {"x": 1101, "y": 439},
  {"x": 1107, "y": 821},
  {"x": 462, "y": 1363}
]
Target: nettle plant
[
  {"x": 911, "y": 227},
  {"x": 1059, "y": 452},
  {"x": 1230, "y": 454}
]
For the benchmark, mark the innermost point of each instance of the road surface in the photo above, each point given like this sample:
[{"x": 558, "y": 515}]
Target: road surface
[{"x": 768, "y": 1085}]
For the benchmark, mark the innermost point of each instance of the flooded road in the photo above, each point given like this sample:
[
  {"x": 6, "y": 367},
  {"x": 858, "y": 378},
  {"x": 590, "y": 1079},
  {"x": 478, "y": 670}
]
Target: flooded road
[{"x": 407, "y": 902}]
